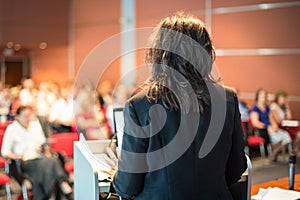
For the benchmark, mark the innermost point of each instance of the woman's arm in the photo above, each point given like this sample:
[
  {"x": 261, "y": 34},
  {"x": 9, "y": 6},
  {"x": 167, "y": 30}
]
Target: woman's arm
[
  {"x": 274, "y": 126},
  {"x": 127, "y": 182},
  {"x": 255, "y": 120},
  {"x": 7, "y": 145},
  {"x": 236, "y": 163}
]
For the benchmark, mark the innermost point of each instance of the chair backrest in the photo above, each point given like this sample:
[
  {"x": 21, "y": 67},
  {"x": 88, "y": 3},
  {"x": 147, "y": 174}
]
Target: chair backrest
[
  {"x": 1, "y": 138},
  {"x": 63, "y": 143}
]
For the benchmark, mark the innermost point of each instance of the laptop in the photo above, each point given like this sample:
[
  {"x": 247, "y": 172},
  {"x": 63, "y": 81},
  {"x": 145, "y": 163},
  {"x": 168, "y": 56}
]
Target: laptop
[{"x": 118, "y": 119}]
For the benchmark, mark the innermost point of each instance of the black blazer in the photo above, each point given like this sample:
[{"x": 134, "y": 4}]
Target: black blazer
[{"x": 178, "y": 172}]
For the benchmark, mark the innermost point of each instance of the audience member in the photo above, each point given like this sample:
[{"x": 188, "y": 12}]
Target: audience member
[
  {"x": 280, "y": 111},
  {"x": 44, "y": 102},
  {"x": 61, "y": 114},
  {"x": 104, "y": 95},
  {"x": 266, "y": 126},
  {"x": 28, "y": 93},
  {"x": 16, "y": 102},
  {"x": 245, "y": 115},
  {"x": 5, "y": 104},
  {"x": 87, "y": 114},
  {"x": 119, "y": 97},
  {"x": 24, "y": 140}
]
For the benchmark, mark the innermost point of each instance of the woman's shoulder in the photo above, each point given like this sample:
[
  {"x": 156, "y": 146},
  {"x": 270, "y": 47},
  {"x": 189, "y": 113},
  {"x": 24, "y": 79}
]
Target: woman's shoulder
[
  {"x": 228, "y": 92},
  {"x": 274, "y": 106},
  {"x": 139, "y": 100}
]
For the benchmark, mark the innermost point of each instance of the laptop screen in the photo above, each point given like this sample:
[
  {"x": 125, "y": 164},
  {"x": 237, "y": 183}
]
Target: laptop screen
[{"x": 118, "y": 118}]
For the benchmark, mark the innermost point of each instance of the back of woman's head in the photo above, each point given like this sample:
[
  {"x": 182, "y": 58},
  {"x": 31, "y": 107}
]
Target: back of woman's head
[
  {"x": 183, "y": 43},
  {"x": 181, "y": 46}
]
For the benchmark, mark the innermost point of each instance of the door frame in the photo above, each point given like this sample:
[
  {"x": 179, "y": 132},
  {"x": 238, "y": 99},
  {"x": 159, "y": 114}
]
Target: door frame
[{"x": 26, "y": 72}]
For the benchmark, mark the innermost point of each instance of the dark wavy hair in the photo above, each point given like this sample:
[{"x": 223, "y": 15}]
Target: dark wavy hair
[{"x": 180, "y": 44}]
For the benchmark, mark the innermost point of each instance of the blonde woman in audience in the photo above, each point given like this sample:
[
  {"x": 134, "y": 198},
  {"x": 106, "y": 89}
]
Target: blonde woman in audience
[
  {"x": 280, "y": 111},
  {"x": 280, "y": 107},
  {"x": 264, "y": 123}
]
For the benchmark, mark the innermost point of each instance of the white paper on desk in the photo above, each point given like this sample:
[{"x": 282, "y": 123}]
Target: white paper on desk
[
  {"x": 290, "y": 123},
  {"x": 276, "y": 194}
]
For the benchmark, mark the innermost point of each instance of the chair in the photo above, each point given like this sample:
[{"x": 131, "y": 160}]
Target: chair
[
  {"x": 4, "y": 179},
  {"x": 64, "y": 143},
  {"x": 253, "y": 139},
  {"x": 14, "y": 169}
]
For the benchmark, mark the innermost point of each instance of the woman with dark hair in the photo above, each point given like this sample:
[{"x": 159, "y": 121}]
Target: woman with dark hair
[{"x": 182, "y": 137}]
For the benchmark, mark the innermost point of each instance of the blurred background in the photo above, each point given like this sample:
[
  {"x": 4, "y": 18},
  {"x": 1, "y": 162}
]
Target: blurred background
[{"x": 257, "y": 41}]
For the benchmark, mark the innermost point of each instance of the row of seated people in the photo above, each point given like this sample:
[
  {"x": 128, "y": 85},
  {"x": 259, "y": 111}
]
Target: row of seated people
[
  {"x": 266, "y": 121},
  {"x": 25, "y": 143},
  {"x": 58, "y": 107}
]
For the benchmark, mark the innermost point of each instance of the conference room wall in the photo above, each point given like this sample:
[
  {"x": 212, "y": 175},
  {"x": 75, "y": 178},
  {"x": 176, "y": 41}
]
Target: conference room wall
[
  {"x": 261, "y": 29},
  {"x": 31, "y": 22},
  {"x": 92, "y": 22},
  {"x": 260, "y": 32}
]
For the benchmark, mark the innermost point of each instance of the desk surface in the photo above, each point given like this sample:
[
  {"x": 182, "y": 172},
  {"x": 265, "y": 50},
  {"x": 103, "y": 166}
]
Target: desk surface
[{"x": 281, "y": 183}]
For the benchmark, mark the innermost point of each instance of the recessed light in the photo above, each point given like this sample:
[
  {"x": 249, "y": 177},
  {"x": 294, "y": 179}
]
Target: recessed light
[{"x": 43, "y": 45}]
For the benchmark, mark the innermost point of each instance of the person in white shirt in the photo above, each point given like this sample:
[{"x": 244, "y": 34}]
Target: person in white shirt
[
  {"x": 28, "y": 93},
  {"x": 24, "y": 140},
  {"x": 280, "y": 110},
  {"x": 61, "y": 114}
]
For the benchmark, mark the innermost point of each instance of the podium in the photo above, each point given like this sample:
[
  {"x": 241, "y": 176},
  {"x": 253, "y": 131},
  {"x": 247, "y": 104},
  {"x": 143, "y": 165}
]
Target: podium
[{"x": 87, "y": 174}]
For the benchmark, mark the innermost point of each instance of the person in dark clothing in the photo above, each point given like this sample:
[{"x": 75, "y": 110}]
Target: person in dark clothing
[{"x": 182, "y": 137}]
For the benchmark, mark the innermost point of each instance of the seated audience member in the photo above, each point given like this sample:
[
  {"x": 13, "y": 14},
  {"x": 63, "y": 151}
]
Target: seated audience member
[
  {"x": 265, "y": 124},
  {"x": 5, "y": 104},
  {"x": 87, "y": 113},
  {"x": 280, "y": 111},
  {"x": 24, "y": 140},
  {"x": 245, "y": 114},
  {"x": 119, "y": 97},
  {"x": 61, "y": 115},
  {"x": 44, "y": 102},
  {"x": 15, "y": 101},
  {"x": 28, "y": 93}
]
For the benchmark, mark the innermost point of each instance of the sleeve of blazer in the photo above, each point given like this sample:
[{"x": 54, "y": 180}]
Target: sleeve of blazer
[
  {"x": 236, "y": 163},
  {"x": 127, "y": 182}
]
